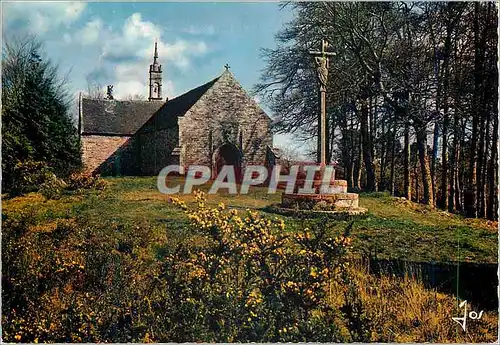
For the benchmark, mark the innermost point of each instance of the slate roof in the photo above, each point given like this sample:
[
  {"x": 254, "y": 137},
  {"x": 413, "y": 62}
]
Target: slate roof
[
  {"x": 180, "y": 105},
  {"x": 116, "y": 117},
  {"x": 113, "y": 117}
]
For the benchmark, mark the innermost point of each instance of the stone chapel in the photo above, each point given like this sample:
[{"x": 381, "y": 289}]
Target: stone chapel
[{"x": 214, "y": 124}]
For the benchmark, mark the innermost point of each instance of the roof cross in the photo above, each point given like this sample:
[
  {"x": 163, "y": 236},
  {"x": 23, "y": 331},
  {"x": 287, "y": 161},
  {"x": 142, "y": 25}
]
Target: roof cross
[{"x": 227, "y": 67}]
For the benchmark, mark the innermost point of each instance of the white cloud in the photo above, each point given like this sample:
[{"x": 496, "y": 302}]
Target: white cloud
[
  {"x": 73, "y": 11},
  {"x": 136, "y": 28},
  {"x": 177, "y": 53},
  {"x": 135, "y": 36},
  {"x": 128, "y": 52},
  {"x": 132, "y": 79},
  {"x": 168, "y": 89},
  {"x": 130, "y": 71},
  {"x": 135, "y": 41},
  {"x": 123, "y": 89},
  {"x": 40, "y": 17},
  {"x": 90, "y": 33}
]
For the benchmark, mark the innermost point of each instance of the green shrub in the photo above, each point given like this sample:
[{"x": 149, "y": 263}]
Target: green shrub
[
  {"x": 79, "y": 181},
  {"x": 53, "y": 188},
  {"x": 28, "y": 176}
]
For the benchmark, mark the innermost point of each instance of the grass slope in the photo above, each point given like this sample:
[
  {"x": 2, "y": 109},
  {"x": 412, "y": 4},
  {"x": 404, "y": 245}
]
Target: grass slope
[{"x": 393, "y": 228}]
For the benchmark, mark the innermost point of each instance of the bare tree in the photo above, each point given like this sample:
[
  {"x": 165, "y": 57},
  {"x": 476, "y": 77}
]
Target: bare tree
[
  {"x": 95, "y": 90},
  {"x": 401, "y": 70},
  {"x": 135, "y": 97},
  {"x": 288, "y": 156}
]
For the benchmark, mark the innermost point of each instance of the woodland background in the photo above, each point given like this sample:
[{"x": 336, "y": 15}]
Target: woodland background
[{"x": 411, "y": 100}]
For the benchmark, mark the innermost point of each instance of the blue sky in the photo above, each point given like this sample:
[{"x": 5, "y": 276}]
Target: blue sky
[{"x": 112, "y": 43}]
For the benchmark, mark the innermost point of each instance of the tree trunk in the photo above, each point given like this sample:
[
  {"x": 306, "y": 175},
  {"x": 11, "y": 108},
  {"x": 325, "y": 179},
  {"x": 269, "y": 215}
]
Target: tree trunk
[
  {"x": 446, "y": 116},
  {"x": 479, "y": 170},
  {"x": 406, "y": 163},
  {"x": 371, "y": 180},
  {"x": 359, "y": 161},
  {"x": 417, "y": 189},
  {"x": 359, "y": 168},
  {"x": 462, "y": 178},
  {"x": 492, "y": 174},
  {"x": 471, "y": 196},
  {"x": 484, "y": 169},
  {"x": 421, "y": 132},
  {"x": 444, "y": 164},
  {"x": 435, "y": 143},
  {"x": 454, "y": 198},
  {"x": 373, "y": 127},
  {"x": 349, "y": 168},
  {"x": 452, "y": 206},
  {"x": 347, "y": 157},
  {"x": 383, "y": 159},
  {"x": 393, "y": 159}
]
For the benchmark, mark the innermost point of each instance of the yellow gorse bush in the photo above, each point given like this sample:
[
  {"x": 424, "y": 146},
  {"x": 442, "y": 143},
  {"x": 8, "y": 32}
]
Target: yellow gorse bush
[{"x": 274, "y": 281}]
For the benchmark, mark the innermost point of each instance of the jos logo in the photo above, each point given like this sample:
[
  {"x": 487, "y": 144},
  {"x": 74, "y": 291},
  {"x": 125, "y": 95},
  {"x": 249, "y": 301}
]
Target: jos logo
[{"x": 472, "y": 315}]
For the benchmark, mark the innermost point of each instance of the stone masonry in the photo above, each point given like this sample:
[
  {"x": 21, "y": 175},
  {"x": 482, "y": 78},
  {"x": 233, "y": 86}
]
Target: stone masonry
[
  {"x": 216, "y": 122},
  {"x": 225, "y": 114}
]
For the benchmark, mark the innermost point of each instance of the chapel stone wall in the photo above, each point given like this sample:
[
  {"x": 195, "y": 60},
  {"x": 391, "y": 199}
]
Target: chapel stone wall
[
  {"x": 225, "y": 114},
  {"x": 109, "y": 155},
  {"x": 156, "y": 149}
]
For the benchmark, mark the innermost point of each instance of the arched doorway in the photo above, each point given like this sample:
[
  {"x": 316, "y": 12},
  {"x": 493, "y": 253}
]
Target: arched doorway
[{"x": 227, "y": 154}]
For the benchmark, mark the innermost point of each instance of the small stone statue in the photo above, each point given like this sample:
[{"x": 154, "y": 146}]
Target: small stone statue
[
  {"x": 321, "y": 58},
  {"x": 110, "y": 92},
  {"x": 322, "y": 64}
]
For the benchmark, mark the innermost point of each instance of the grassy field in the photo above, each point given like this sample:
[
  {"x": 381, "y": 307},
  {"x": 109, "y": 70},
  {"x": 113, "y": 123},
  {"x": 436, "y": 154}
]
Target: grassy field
[
  {"x": 125, "y": 265},
  {"x": 392, "y": 229}
]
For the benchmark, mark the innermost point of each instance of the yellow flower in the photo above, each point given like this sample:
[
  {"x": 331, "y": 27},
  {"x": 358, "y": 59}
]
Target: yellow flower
[{"x": 281, "y": 225}]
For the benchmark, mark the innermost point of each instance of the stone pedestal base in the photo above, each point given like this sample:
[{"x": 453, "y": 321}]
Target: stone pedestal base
[
  {"x": 339, "y": 204},
  {"x": 324, "y": 202}
]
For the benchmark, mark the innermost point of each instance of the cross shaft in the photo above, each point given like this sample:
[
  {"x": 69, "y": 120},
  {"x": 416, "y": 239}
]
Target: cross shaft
[{"x": 322, "y": 61}]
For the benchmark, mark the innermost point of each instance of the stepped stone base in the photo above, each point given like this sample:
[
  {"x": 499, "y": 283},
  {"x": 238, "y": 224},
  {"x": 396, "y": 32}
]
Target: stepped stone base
[
  {"x": 324, "y": 202},
  {"x": 338, "y": 186},
  {"x": 339, "y": 204}
]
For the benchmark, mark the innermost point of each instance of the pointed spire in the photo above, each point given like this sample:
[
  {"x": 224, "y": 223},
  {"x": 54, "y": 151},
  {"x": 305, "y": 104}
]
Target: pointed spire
[
  {"x": 156, "y": 53},
  {"x": 155, "y": 80}
]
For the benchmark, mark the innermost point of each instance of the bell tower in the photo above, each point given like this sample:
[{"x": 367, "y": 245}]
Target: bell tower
[{"x": 155, "y": 77}]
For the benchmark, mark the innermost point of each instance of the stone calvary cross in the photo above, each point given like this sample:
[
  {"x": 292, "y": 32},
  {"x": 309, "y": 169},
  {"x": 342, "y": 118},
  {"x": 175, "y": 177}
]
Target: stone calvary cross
[{"x": 322, "y": 64}]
